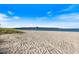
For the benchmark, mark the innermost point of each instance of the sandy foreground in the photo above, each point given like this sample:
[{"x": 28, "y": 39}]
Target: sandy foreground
[{"x": 40, "y": 42}]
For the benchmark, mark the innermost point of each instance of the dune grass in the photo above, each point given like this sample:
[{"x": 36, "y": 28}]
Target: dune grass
[{"x": 9, "y": 31}]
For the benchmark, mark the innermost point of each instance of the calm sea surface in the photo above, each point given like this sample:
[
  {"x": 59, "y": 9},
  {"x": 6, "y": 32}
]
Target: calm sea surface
[{"x": 50, "y": 29}]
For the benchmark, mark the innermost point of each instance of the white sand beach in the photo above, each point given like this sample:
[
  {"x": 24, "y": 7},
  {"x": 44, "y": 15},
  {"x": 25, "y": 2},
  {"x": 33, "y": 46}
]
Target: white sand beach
[{"x": 40, "y": 42}]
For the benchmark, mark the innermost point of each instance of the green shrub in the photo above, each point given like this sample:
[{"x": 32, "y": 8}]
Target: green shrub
[{"x": 9, "y": 31}]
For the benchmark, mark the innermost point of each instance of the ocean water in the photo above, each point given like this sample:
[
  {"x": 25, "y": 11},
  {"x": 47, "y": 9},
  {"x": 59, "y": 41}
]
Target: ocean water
[{"x": 50, "y": 29}]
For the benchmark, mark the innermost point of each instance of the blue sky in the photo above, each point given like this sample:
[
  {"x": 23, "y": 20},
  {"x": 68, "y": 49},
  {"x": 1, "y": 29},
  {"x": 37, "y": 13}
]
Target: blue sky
[{"x": 42, "y": 15}]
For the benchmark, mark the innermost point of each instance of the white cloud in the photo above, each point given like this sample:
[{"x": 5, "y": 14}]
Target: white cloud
[
  {"x": 64, "y": 21},
  {"x": 16, "y": 17},
  {"x": 49, "y": 13},
  {"x": 68, "y": 8},
  {"x": 7, "y": 21},
  {"x": 10, "y": 13},
  {"x": 71, "y": 8},
  {"x": 3, "y": 17},
  {"x": 72, "y": 17}
]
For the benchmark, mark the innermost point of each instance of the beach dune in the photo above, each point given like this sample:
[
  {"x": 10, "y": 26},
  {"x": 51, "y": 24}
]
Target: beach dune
[{"x": 40, "y": 42}]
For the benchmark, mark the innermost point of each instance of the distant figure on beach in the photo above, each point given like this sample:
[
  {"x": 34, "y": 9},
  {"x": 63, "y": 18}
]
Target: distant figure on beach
[
  {"x": 37, "y": 27},
  {"x": 0, "y": 25}
]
